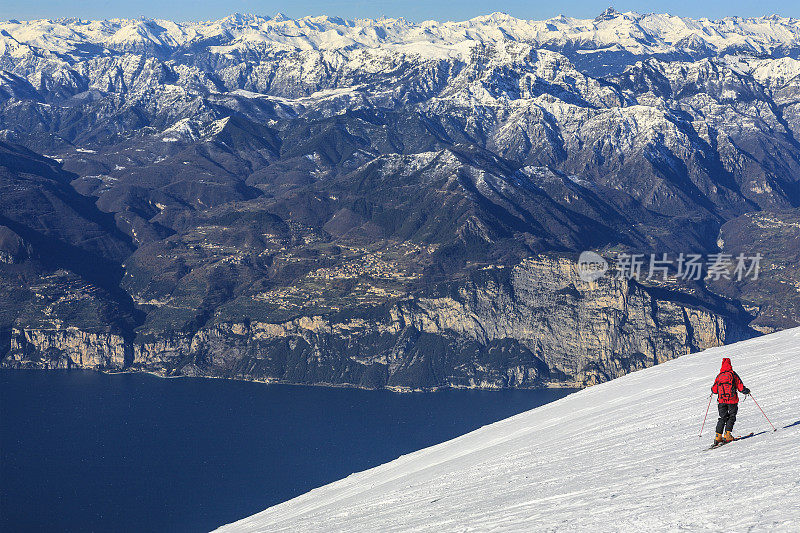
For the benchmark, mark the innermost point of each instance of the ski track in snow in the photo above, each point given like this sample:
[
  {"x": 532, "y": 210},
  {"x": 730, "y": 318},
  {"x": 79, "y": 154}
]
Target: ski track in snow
[{"x": 620, "y": 456}]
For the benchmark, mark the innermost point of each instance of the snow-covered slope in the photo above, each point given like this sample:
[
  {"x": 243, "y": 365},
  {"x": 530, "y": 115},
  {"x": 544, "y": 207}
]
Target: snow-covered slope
[{"x": 623, "y": 455}]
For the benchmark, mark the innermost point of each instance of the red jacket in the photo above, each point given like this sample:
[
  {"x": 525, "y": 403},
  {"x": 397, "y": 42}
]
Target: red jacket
[{"x": 727, "y": 383}]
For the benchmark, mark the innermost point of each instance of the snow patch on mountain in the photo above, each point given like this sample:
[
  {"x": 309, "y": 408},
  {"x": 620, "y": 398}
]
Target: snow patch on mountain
[{"x": 622, "y": 454}]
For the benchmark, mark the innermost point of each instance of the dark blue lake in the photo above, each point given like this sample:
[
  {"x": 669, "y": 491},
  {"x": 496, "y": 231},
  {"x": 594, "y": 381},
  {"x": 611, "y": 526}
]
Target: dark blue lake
[{"x": 83, "y": 451}]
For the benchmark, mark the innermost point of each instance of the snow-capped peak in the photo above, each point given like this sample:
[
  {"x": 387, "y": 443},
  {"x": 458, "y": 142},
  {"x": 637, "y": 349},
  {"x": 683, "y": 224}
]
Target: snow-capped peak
[
  {"x": 609, "y": 14},
  {"x": 239, "y": 19}
]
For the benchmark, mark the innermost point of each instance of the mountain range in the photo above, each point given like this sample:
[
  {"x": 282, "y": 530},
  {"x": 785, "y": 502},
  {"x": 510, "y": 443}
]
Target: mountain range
[{"x": 386, "y": 203}]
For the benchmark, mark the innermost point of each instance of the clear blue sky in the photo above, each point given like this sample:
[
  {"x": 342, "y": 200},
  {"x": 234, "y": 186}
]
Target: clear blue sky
[{"x": 415, "y": 10}]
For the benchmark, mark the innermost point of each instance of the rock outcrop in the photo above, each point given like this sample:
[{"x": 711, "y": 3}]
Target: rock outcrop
[
  {"x": 66, "y": 348},
  {"x": 13, "y": 249}
]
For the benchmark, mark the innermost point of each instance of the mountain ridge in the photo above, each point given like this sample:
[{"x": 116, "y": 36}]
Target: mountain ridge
[{"x": 643, "y": 29}]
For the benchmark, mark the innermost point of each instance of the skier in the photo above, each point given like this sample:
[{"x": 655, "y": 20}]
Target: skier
[{"x": 725, "y": 387}]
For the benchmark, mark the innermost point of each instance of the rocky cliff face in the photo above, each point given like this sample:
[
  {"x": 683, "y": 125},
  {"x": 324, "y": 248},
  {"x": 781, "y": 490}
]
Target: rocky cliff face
[
  {"x": 535, "y": 324},
  {"x": 66, "y": 348}
]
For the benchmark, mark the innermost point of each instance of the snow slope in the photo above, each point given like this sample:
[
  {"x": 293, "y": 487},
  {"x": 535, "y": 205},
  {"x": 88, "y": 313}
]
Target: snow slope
[{"x": 623, "y": 455}]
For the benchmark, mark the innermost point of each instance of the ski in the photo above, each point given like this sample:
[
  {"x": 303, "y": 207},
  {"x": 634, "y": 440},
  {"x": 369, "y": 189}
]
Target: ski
[{"x": 723, "y": 443}]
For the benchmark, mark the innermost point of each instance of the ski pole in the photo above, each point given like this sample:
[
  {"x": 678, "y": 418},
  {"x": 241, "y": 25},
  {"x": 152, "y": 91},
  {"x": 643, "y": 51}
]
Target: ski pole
[
  {"x": 762, "y": 412},
  {"x": 704, "y": 418}
]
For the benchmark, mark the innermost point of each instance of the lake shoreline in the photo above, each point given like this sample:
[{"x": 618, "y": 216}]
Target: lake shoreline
[{"x": 395, "y": 389}]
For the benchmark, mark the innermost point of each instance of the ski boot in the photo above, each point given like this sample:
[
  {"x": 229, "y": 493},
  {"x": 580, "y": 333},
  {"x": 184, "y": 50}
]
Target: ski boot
[
  {"x": 718, "y": 438},
  {"x": 728, "y": 437}
]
